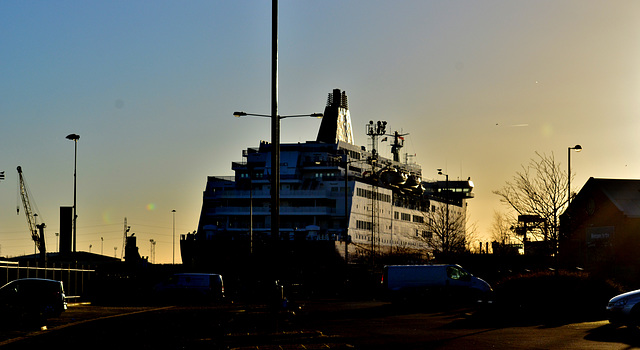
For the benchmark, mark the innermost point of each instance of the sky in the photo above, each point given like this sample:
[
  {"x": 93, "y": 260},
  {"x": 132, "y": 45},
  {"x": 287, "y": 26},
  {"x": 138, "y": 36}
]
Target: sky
[{"x": 151, "y": 87}]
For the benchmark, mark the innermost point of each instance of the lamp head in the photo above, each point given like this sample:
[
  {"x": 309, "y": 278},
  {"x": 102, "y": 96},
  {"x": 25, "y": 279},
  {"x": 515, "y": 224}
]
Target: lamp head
[
  {"x": 578, "y": 148},
  {"x": 239, "y": 114},
  {"x": 74, "y": 137}
]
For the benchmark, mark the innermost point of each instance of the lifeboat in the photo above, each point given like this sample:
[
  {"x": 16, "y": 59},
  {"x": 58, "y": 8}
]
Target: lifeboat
[
  {"x": 413, "y": 181},
  {"x": 392, "y": 177}
]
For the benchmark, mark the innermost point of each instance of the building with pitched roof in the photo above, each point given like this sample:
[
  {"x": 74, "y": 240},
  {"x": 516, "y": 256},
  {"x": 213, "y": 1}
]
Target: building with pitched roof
[{"x": 601, "y": 228}]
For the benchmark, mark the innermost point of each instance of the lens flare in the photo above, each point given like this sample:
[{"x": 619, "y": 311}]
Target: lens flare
[
  {"x": 106, "y": 217},
  {"x": 151, "y": 206},
  {"x": 547, "y": 130}
]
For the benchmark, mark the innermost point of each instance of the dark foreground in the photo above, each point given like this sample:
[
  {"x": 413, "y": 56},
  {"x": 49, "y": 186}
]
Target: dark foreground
[{"x": 321, "y": 324}]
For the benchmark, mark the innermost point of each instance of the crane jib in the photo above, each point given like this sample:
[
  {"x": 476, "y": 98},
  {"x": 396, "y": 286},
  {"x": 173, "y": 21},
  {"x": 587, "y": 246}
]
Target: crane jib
[{"x": 37, "y": 230}]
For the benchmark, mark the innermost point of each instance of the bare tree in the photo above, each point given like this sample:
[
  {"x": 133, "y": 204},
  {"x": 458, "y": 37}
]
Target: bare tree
[
  {"x": 539, "y": 189},
  {"x": 503, "y": 233},
  {"x": 502, "y": 228},
  {"x": 447, "y": 227}
]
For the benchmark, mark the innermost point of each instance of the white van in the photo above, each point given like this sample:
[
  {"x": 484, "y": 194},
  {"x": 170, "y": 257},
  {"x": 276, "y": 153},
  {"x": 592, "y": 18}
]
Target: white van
[
  {"x": 415, "y": 281},
  {"x": 193, "y": 285}
]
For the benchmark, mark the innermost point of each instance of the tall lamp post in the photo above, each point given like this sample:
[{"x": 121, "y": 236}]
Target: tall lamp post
[
  {"x": 152, "y": 252},
  {"x": 568, "y": 228},
  {"x": 275, "y": 126},
  {"x": 174, "y": 236},
  {"x": 345, "y": 235},
  {"x": 74, "y": 138},
  {"x": 275, "y": 164},
  {"x": 577, "y": 148},
  {"x": 447, "y": 199}
]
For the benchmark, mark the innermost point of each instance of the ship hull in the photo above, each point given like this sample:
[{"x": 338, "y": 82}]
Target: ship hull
[{"x": 223, "y": 255}]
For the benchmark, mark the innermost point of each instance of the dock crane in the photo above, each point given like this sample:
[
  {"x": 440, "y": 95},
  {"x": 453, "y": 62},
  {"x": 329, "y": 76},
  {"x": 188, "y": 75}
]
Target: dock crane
[{"x": 37, "y": 230}]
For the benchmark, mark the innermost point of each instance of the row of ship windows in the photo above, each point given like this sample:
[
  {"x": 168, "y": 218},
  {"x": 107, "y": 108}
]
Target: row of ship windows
[
  {"x": 370, "y": 195},
  {"x": 385, "y": 241},
  {"x": 327, "y": 174},
  {"x": 361, "y": 192},
  {"x": 260, "y": 175},
  {"x": 366, "y": 225},
  {"x": 407, "y": 217},
  {"x": 257, "y": 175}
]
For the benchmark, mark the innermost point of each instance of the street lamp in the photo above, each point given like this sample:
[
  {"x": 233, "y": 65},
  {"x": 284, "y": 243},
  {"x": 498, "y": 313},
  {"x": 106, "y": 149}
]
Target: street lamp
[
  {"x": 174, "y": 236},
  {"x": 577, "y": 148},
  {"x": 245, "y": 114},
  {"x": 447, "y": 200},
  {"x": 74, "y": 138},
  {"x": 346, "y": 205},
  {"x": 345, "y": 235},
  {"x": 152, "y": 251},
  {"x": 275, "y": 163},
  {"x": 250, "y": 168},
  {"x": 275, "y": 125}
]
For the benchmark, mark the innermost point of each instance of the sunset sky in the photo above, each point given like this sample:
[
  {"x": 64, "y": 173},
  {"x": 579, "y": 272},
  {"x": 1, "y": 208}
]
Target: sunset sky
[{"x": 151, "y": 86}]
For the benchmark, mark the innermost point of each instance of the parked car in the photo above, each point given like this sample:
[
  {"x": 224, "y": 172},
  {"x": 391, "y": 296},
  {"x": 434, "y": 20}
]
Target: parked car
[
  {"x": 625, "y": 309},
  {"x": 32, "y": 299}
]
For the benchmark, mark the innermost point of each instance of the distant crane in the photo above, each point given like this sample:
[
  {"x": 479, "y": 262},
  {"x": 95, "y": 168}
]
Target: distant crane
[{"x": 37, "y": 230}]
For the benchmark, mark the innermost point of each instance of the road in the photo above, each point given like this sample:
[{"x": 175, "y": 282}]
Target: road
[
  {"x": 323, "y": 324},
  {"x": 381, "y": 326}
]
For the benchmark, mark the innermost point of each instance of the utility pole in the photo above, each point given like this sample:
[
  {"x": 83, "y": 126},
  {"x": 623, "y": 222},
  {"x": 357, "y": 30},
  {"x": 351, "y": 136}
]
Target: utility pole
[
  {"x": 174, "y": 236},
  {"x": 446, "y": 235},
  {"x": 74, "y": 138},
  {"x": 275, "y": 127}
]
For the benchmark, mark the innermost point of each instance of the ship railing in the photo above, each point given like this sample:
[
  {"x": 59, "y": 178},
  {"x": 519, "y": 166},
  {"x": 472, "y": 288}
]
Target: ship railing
[
  {"x": 222, "y": 178},
  {"x": 283, "y": 194},
  {"x": 267, "y": 210},
  {"x": 239, "y": 210},
  {"x": 310, "y": 210}
]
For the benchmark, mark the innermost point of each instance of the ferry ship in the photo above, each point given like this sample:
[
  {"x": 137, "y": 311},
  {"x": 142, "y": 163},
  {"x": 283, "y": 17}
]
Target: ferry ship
[{"x": 339, "y": 202}]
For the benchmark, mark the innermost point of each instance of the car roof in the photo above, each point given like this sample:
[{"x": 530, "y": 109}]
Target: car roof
[
  {"x": 36, "y": 279},
  {"x": 33, "y": 280}
]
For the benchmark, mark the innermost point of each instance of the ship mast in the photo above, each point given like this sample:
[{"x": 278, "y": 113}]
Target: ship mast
[{"x": 398, "y": 143}]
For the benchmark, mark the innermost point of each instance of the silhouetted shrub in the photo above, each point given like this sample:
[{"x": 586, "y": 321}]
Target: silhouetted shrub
[{"x": 553, "y": 295}]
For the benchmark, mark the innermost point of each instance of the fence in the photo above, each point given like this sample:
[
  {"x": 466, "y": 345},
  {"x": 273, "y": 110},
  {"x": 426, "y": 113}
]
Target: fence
[{"x": 76, "y": 279}]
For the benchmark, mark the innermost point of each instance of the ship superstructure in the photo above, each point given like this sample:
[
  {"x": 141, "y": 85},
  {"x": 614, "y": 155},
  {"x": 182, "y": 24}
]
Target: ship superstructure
[{"x": 337, "y": 200}]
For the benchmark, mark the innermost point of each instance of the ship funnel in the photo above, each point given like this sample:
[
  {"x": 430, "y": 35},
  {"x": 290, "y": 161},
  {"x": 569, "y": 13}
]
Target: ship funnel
[{"x": 336, "y": 123}]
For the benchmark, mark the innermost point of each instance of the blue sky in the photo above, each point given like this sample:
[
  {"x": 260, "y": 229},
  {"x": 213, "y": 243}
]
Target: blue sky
[{"x": 150, "y": 87}]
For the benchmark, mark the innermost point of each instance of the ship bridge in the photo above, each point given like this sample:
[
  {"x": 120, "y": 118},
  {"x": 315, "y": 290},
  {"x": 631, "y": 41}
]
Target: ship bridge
[{"x": 452, "y": 192}]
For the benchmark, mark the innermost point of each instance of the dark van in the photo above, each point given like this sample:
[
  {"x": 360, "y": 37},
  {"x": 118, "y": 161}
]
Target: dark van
[{"x": 192, "y": 287}]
